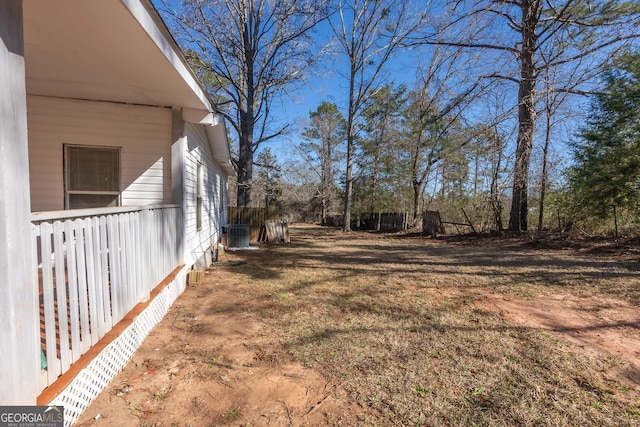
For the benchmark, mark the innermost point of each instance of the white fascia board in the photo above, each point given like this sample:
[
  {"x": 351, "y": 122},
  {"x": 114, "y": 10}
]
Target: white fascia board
[
  {"x": 144, "y": 13},
  {"x": 203, "y": 117},
  {"x": 217, "y": 136}
]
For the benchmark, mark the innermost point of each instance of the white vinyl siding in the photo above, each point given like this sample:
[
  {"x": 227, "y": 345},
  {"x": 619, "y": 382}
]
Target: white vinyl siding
[
  {"x": 143, "y": 134},
  {"x": 200, "y": 240}
]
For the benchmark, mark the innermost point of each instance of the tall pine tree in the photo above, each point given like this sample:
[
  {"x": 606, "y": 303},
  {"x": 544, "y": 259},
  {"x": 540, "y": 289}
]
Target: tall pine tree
[{"x": 607, "y": 157}]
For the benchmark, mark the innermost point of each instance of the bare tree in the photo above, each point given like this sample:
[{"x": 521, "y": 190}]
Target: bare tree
[
  {"x": 554, "y": 109},
  {"x": 369, "y": 33},
  {"x": 323, "y": 138},
  {"x": 300, "y": 191},
  {"x": 538, "y": 35},
  {"x": 552, "y": 104},
  {"x": 435, "y": 115},
  {"x": 487, "y": 154},
  {"x": 256, "y": 49}
]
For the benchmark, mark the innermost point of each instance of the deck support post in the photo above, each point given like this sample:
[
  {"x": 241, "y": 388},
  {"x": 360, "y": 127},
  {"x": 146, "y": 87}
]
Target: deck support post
[{"x": 19, "y": 320}]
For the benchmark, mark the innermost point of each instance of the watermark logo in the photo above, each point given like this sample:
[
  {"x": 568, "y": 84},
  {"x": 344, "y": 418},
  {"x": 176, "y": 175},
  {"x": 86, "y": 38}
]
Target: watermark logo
[{"x": 31, "y": 416}]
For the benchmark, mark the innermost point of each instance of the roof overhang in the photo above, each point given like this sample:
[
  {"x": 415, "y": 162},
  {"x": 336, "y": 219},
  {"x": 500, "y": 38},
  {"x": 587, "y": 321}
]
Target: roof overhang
[
  {"x": 220, "y": 153},
  {"x": 216, "y": 134},
  {"x": 115, "y": 51},
  {"x": 106, "y": 50}
]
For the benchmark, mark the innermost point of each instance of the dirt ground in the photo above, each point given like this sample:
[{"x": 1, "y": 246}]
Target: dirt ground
[
  {"x": 594, "y": 324},
  {"x": 208, "y": 364},
  {"x": 213, "y": 360}
]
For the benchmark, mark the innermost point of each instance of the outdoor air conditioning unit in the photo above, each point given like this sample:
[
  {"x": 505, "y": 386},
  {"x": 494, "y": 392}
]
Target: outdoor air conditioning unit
[{"x": 238, "y": 236}]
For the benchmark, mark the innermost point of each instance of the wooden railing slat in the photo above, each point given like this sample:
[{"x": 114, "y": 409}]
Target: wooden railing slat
[{"x": 94, "y": 270}]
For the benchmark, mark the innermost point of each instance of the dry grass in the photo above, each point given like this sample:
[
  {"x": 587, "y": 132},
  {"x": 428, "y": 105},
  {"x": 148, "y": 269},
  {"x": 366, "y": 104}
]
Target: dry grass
[{"x": 392, "y": 321}]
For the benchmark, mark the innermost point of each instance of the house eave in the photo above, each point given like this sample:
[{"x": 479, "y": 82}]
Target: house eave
[
  {"x": 125, "y": 54},
  {"x": 217, "y": 135},
  {"x": 216, "y": 131}
]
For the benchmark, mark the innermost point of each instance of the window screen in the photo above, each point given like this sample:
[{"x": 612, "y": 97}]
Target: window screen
[{"x": 92, "y": 176}]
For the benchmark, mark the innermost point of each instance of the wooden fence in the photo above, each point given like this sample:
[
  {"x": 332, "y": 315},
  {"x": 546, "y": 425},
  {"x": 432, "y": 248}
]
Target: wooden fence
[
  {"x": 255, "y": 218},
  {"x": 387, "y": 222}
]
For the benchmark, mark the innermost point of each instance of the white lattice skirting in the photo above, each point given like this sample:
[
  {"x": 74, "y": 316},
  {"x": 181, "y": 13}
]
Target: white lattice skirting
[{"x": 90, "y": 382}]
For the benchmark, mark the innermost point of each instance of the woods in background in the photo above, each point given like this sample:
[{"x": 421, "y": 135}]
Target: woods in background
[{"x": 488, "y": 117}]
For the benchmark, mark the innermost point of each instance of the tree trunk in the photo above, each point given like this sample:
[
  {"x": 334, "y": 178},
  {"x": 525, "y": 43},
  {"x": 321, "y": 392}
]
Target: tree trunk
[
  {"x": 526, "y": 117},
  {"x": 324, "y": 188},
  {"x": 416, "y": 199},
  {"x": 374, "y": 179},
  {"x": 348, "y": 188},
  {"x": 496, "y": 204},
  {"x": 247, "y": 123},
  {"x": 349, "y": 184},
  {"x": 245, "y": 161},
  {"x": 444, "y": 183},
  {"x": 323, "y": 219},
  {"x": 245, "y": 172},
  {"x": 544, "y": 179},
  {"x": 415, "y": 182}
]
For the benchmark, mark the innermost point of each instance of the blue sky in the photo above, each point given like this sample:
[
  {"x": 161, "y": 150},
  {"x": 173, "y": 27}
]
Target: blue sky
[
  {"x": 332, "y": 86},
  {"x": 328, "y": 85}
]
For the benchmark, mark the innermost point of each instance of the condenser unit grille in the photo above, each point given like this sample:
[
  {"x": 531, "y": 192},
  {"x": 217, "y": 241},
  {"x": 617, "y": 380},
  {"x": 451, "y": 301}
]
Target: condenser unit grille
[{"x": 238, "y": 236}]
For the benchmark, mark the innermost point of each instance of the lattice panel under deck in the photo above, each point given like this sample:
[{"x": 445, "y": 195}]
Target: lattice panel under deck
[{"x": 93, "y": 379}]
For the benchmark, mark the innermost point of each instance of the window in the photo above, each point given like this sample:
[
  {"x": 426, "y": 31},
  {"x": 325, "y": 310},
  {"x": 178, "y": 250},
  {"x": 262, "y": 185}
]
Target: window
[
  {"x": 92, "y": 176},
  {"x": 199, "y": 191},
  {"x": 221, "y": 185}
]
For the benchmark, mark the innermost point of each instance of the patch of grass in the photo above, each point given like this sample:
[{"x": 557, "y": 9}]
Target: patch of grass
[
  {"x": 385, "y": 318},
  {"x": 160, "y": 395},
  {"x": 421, "y": 391},
  {"x": 234, "y": 413},
  {"x": 512, "y": 358},
  {"x": 477, "y": 391}
]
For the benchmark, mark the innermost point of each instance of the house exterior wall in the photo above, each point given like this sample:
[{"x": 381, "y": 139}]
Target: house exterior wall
[
  {"x": 159, "y": 158},
  {"x": 142, "y": 132},
  {"x": 198, "y": 242},
  {"x": 19, "y": 323}
]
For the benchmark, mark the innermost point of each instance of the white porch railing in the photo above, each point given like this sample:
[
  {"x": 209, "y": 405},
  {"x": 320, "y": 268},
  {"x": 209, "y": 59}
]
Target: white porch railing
[{"x": 94, "y": 266}]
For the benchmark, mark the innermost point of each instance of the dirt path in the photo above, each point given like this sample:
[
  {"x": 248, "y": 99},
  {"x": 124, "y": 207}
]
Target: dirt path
[
  {"x": 214, "y": 360},
  {"x": 595, "y": 324},
  {"x": 209, "y": 362}
]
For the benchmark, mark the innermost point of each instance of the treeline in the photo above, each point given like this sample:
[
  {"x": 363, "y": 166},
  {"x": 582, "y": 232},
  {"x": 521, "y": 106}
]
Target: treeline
[
  {"x": 490, "y": 92},
  {"x": 410, "y": 159}
]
